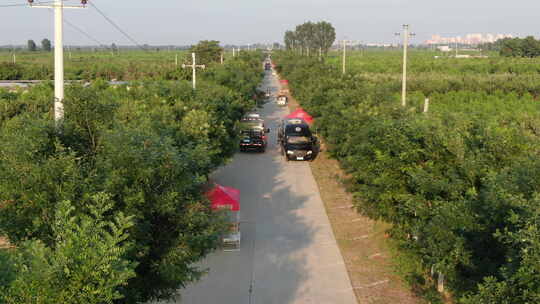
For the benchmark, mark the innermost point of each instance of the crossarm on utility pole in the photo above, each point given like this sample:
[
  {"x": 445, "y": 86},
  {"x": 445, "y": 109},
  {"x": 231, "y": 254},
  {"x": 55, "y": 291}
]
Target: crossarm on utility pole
[
  {"x": 406, "y": 36},
  {"x": 194, "y": 67}
]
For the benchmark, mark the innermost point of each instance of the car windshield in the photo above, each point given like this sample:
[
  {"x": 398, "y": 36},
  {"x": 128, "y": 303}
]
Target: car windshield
[
  {"x": 297, "y": 130},
  {"x": 297, "y": 140},
  {"x": 254, "y": 124},
  {"x": 252, "y": 133}
]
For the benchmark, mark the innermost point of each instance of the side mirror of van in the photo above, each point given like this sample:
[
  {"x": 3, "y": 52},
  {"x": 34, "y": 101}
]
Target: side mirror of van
[{"x": 268, "y": 130}]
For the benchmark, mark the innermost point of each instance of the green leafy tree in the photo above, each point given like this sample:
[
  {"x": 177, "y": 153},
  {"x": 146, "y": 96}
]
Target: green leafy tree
[
  {"x": 85, "y": 264},
  {"x": 290, "y": 40},
  {"x": 207, "y": 51},
  {"x": 32, "y": 47},
  {"x": 517, "y": 47},
  {"x": 311, "y": 38},
  {"x": 114, "y": 48},
  {"x": 46, "y": 45},
  {"x": 325, "y": 36}
]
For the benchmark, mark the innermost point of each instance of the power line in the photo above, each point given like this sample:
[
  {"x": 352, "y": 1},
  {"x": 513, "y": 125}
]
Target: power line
[
  {"x": 116, "y": 26},
  {"x": 78, "y": 29}
]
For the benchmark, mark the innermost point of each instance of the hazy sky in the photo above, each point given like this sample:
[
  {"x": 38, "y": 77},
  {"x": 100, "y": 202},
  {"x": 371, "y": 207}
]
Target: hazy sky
[{"x": 183, "y": 22}]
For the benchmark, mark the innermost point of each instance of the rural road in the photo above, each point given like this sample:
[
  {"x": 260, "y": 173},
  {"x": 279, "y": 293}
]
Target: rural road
[{"x": 289, "y": 253}]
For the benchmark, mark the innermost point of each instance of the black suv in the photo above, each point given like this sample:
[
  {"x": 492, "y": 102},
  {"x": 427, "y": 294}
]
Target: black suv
[{"x": 296, "y": 140}]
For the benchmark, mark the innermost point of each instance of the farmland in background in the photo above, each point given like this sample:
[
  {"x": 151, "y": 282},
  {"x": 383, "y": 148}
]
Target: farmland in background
[{"x": 87, "y": 65}]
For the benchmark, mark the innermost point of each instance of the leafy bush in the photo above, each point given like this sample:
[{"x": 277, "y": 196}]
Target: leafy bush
[{"x": 86, "y": 263}]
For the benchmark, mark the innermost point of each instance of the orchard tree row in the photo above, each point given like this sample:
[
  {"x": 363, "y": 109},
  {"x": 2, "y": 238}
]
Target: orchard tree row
[
  {"x": 459, "y": 184},
  {"x": 109, "y": 208}
]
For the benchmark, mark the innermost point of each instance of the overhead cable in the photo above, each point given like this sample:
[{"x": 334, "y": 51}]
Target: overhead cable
[{"x": 115, "y": 25}]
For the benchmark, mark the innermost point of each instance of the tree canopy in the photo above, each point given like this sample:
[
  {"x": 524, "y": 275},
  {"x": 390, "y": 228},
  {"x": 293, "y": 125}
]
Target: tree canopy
[
  {"x": 311, "y": 38},
  {"x": 46, "y": 45},
  {"x": 515, "y": 47},
  {"x": 32, "y": 47},
  {"x": 207, "y": 51}
]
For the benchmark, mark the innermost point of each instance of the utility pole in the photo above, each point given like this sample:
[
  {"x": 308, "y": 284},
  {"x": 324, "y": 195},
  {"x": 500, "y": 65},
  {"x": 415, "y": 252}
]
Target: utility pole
[
  {"x": 345, "y": 42},
  {"x": 14, "y": 58},
  {"x": 221, "y": 58},
  {"x": 58, "y": 7},
  {"x": 234, "y": 52},
  {"x": 194, "y": 66},
  {"x": 406, "y": 36},
  {"x": 176, "y": 60}
]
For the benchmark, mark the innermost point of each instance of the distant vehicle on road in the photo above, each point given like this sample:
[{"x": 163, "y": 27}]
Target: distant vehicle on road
[
  {"x": 267, "y": 66},
  {"x": 296, "y": 140}
]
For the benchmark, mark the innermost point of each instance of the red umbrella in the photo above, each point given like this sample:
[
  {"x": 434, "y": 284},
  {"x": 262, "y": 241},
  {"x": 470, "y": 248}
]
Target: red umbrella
[
  {"x": 223, "y": 197},
  {"x": 300, "y": 113}
]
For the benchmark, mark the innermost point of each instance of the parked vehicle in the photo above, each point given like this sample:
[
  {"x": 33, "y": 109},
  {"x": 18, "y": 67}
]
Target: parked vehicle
[
  {"x": 253, "y": 139},
  {"x": 268, "y": 66},
  {"x": 296, "y": 140}
]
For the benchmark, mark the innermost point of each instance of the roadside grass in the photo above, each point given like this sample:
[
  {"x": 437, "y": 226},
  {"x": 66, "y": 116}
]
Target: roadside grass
[{"x": 375, "y": 267}]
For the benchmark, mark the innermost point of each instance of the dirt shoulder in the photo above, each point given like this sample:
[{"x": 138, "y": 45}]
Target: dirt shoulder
[{"x": 362, "y": 241}]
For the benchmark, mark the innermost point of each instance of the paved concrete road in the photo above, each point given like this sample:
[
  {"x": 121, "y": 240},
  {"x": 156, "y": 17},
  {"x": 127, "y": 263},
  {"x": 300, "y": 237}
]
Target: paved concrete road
[{"x": 288, "y": 253}]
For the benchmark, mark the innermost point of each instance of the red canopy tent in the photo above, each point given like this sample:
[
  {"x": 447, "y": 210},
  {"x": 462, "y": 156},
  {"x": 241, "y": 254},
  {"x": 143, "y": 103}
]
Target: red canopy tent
[
  {"x": 284, "y": 81},
  {"x": 223, "y": 197},
  {"x": 226, "y": 198},
  {"x": 300, "y": 113}
]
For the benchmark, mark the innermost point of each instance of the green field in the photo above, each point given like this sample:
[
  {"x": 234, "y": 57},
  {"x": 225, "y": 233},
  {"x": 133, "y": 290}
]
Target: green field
[{"x": 86, "y": 65}]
